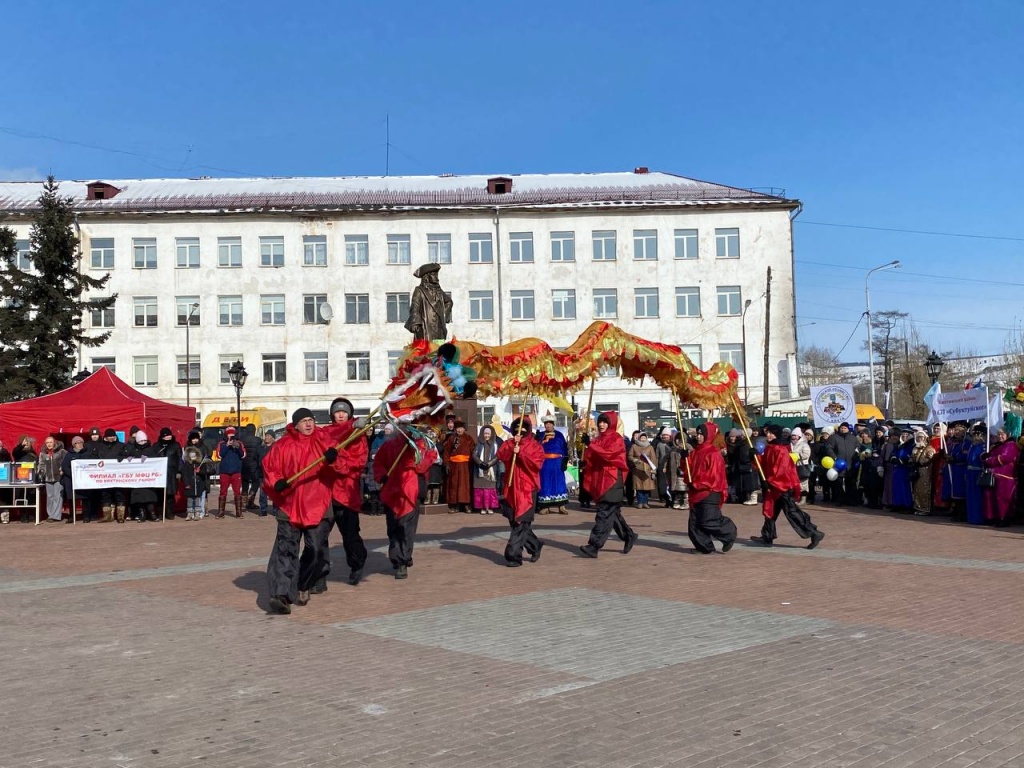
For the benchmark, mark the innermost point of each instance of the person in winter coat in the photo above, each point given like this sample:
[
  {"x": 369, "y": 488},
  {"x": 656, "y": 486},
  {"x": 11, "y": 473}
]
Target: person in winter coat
[
  {"x": 25, "y": 451},
  {"x": 457, "y": 452},
  {"x": 870, "y": 472},
  {"x": 113, "y": 501},
  {"x": 843, "y": 447},
  {"x": 170, "y": 449},
  {"x": 677, "y": 460},
  {"x": 524, "y": 457},
  {"x": 998, "y": 502},
  {"x": 251, "y": 475},
  {"x": 798, "y": 445},
  {"x": 741, "y": 468},
  {"x": 485, "y": 472},
  {"x": 195, "y": 476},
  {"x": 402, "y": 475},
  {"x": 144, "y": 501},
  {"x": 781, "y": 491},
  {"x": 48, "y": 472},
  {"x": 231, "y": 451},
  {"x": 605, "y": 480},
  {"x": 643, "y": 465},
  {"x": 663, "y": 448},
  {"x": 921, "y": 459},
  {"x": 819, "y": 478},
  {"x": 708, "y": 489},
  {"x": 76, "y": 453}
]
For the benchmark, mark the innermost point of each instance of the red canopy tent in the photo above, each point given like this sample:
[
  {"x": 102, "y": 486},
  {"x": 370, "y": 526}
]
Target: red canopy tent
[{"x": 103, "y": 401}]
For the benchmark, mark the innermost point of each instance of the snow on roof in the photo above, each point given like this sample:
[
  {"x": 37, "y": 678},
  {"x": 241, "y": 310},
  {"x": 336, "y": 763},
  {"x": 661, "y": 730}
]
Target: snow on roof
[{"x": 338, "y": 192}]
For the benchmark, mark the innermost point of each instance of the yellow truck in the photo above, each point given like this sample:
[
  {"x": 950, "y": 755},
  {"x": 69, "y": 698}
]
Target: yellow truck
[{"x": 215, "y": 422}]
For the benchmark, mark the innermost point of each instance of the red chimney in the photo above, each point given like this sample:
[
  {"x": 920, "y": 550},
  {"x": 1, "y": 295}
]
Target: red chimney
[
  {"x": 641, "y": 169},
  {"x": 100, "y": 190},
  {"x": 499, "y": 185}
]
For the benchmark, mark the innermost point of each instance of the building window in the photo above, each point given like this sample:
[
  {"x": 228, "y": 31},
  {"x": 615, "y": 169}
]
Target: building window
[
  {"x": 645, "y": 302},
  {"x": 145, "y": 371},
  {"x": 144, "y": 253},
  {"x": 357, "y": 308},
  {"x": 316, "y": 366},
  {"x": 103, "y": 362},
  {"x": 313, "y": 308},
  {"x": 693, "y": 352},
  {"x": 481, "y": 305},
  {"x": 394, "y": 358},
  {"x": 24, "y": 255},
  {"x": 182, "y": 307},
  {"x": 224, "y": 364},
  {"x": 357, "y": 366},
  {"x": 186, "y": 252},
  {"x": 229, "y": 310},
  {"x": 271, "y": 251},
  {"x": 398, "y": 307},
  {"x": 481, "y": 248},
  {"x": 274, "y": 368},
  {"x": 686, "y": 243},
  {"x": 727, "y": 243},
  {"x": 188, "y": 369},
  {"x": 145, "y": 311},
  {"x": 604, "y": 245},
  {"x": 563, "y": 246},
  {"x": 521, "y": 250},
  {"x": 645, "y": 244},
  {"x": 605, "y": 407},
  {"x": 439, "y": 249},
  {"x": 272, "y": 309},
  {"x": 101, "y": 253},
  {"x": 688, "y": 302},
  {"x": 606, "y": 303},
  {"x": 563, "y": 304},
  {"x": 728, "y": 300},
  {"x": 733, "y": 355},
  {"x": 102, "y": 318},
  {"x": 357, "y": 250},
  {"x": 229, "y": 252},
  {"x": 314, "y": 250},
  {"x": 522, "y": 305},
  {"x": 399, "y": 249}
]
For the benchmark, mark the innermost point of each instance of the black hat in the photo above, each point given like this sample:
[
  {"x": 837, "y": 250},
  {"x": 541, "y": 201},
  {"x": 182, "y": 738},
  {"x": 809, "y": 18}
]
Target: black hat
[
  {"x": 774, "y": 430},
  {"x": 342, "y": 404},
  {"x": 165, "y": 432},
  {"x": 300, "y": 414},
  {"x": 133, "y": 429},
  {"x": 426, "y": 269},
  {"x": 95, "y": 431},
  {"x": 109, "y": 433},
  {"x": 195, "y": 434}
]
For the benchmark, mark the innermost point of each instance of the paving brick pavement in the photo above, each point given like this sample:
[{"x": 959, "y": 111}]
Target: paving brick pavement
[{"x": 897, "y": 644}]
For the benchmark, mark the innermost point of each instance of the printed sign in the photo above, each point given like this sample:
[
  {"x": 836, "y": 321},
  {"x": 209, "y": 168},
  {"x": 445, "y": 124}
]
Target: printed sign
[
  {"x": 130, "y": 473},
  {"x": 833, "y": 404},
  {"x": 959, "y": 406}
]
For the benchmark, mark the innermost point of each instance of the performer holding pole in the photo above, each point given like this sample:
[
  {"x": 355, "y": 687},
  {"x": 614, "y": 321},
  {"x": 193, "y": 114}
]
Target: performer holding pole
[
  {"x": 403, "y": 481},
  {"x": 605, "y": 477},
  {"x": 705, "y": 471},
  {"x": 781, "y": 490},
  {"x": 584, "y": 495},
  {"x": 519, "y": 499}
]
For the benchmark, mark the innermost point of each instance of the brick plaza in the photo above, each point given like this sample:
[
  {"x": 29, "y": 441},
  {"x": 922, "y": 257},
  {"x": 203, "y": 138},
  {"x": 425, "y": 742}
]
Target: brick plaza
[{"x": 898, "y": 643}]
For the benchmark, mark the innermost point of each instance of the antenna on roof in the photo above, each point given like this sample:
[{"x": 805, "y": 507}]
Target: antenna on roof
[{"x": 387, "y": 145}]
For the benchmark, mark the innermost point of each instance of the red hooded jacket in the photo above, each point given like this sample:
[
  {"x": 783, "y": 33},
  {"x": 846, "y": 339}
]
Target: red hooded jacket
[
  {"x": 606, "y": 460},
  {"x": 349, "y": 466},
  {"x": 401, "y": 492},
  {"x": 780, "y": 474},
  {"x": 521, "y": 485},
  {"x": 706, "y": 468},
  {"x": 308, "y": 499}
]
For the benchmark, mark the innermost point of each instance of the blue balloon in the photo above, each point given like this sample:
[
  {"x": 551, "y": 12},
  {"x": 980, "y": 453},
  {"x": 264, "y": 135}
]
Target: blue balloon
[
  {"x": 759, "y": 446},
  {"x": 840, "y": 465}
]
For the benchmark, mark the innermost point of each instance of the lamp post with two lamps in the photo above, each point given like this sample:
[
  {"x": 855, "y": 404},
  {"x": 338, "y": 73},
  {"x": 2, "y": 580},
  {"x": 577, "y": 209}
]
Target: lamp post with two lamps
[
  {"x": 895, "y": 264},
  {"x": 743, "y": 322},
  {"x": 237, "y": 375}
]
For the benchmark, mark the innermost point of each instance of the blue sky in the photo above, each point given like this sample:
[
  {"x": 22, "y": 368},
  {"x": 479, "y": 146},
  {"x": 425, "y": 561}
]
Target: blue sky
[{"x": 894, "y": 115}]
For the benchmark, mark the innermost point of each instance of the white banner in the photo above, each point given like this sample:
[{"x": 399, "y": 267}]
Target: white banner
[
  {"x": 130, "y": 473},
  {"x": 959, "y": 406},
  {"x": 833, "y": 404}
]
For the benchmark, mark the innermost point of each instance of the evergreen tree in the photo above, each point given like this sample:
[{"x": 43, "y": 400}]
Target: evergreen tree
[{"x": 41, "y": 320}]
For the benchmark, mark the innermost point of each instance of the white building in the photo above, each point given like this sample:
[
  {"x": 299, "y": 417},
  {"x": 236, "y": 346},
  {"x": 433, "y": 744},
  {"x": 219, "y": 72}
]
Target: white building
[{"x": 666, "y": 257}]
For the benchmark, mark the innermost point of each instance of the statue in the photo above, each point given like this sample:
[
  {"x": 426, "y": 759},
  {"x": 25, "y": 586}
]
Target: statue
[{"x": 430, "y": 310}]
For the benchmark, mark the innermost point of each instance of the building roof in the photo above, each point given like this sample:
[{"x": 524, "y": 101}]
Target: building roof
[{"x": 295, "y": 194}]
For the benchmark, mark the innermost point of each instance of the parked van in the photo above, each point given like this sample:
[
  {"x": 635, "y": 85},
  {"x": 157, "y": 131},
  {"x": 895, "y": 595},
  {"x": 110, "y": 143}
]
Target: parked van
[{"x": 215, "y": 422}]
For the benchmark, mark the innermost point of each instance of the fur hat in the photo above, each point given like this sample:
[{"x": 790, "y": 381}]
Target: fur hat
[
  {"x": 527, "y": 426},
  {"x": 109, "y": 433}
]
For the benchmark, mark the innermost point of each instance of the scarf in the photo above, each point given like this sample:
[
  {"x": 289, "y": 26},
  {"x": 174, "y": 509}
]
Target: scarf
[{"x": 483, "y": 455}]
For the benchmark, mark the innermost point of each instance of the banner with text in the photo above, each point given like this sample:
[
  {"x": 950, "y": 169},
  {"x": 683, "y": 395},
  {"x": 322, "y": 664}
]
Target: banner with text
[
  {"x": 959, "y": 406},
  {"x": 130, "y": 473},
  {"x": 833, "y": 404}
]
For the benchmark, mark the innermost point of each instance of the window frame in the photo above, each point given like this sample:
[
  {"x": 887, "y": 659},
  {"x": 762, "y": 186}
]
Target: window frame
[
  {"x": 523, "y": 298},
  {"x": 604, "y": 294},
  {"x": 644, "y": 295},
  {"x": 646, "y": 251},
  {"x": 147, "y": 246},
  {"x": 321, "y": 362},
  {"x": 311, "y": 249},
  {"x": 394, "y": 301},
  {"x": 685, "y": 241},
  {"x": 482, "y": 300},
  {"x": 357, "y": 250},
  {"x": 360, "y": 302},
  {"x": 273, "y": 359},
  {"x": 147, "y": 361},
  {"x": 230, "y": 299},
  {"x": 227, "y": 249},
  {"x": 562, "y": 239},
  {"x": 180, "y": 318},
  {"x": 476, "y": 241},
  {"x": 272, "y": 299},
  {"x": 439, "y": 245},
  {"x": 361, "y": 359},
  {"x": 311, "y": 308},
  {"x": 688, "y": 293},
  {"x": 271, "y": 259},
  {"x": 569, "y": 298},
  {"x": 145, "y": 302},
  {"x": 397, "y": 255},
  {"x": 517, "y": 242},
  {"x": 726, "y": 292},
  {"x": 184, "y": 246},
  {"x": 103, "y": 251},
  {"x": 727, "y": 236}
]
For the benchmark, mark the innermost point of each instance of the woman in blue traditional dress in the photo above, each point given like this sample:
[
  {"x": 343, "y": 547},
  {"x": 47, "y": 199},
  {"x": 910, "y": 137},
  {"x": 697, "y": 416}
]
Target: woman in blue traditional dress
[
  {"x": 553, "y": 493},
  {"x": 973, "y": 492},
  {"x": 902, "y": 466}
]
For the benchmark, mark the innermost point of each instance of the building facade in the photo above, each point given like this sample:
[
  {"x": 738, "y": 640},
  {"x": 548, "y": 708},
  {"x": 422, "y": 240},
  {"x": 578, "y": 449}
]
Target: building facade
[{"x": 307, "y": 281}]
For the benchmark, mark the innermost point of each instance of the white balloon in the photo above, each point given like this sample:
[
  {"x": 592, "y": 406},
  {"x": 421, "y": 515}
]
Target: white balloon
[{"x": 832, "y": 474}]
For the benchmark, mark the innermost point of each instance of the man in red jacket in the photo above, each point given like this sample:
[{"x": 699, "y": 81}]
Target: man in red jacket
[
  {"x": 781, "y": 491},
  {"x": 403, "y": 481},
  {"x": 523, "y": 458},
  {"x": 606, "y": 471},
  {"x": 305, "y": 504},
  {"x": 705, "y": 476},
  {"x": 347, "y": 492}
]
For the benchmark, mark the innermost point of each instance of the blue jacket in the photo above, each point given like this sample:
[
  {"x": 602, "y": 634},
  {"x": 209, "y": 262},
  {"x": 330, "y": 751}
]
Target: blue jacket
[{"x": 231, "y": 457}]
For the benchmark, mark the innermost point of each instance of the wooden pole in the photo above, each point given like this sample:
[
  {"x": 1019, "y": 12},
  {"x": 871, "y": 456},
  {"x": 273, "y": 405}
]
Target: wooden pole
[
  {"x": 590, "y": 404},
  {"x": 370, "y": 424},
  {"x": 767, "y": 339},
  {"x": 746, "y": 434},
  {"x": 519, "y": 432}
]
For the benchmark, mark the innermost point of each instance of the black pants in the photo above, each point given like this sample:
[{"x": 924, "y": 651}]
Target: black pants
[
  {"x": 609, "y": 518},
  {"x": 521, "y": 536},
  {"x": 289, "y": 573},
  {"x": 401, "y": 536},
  {"x": 250, "y": 480},
  {"x": 797, "y": 518},
  {"x": 347, "y": 521},
  {"x": 707, "y": 523}
]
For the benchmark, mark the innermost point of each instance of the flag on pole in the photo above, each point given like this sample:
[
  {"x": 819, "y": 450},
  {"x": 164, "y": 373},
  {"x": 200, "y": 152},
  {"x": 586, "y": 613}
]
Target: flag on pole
[
  {"x": 929, "y": 397},
  {"x": 972, "y": 384},
  {"x": 995, "y": 414}
]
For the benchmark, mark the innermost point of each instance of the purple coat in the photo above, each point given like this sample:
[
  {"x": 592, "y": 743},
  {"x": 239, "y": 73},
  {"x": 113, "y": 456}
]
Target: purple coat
[{"x": 998, "y": 502}]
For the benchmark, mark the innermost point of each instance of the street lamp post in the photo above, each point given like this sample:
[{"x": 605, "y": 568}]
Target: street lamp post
[
  {"x": 867, "y": 300},
  {"x": 237, "y": 374},
  {"x": 746, "y": 379},
  {"x": 188, "y": 356},
  {"x": 933, "y": 364}
]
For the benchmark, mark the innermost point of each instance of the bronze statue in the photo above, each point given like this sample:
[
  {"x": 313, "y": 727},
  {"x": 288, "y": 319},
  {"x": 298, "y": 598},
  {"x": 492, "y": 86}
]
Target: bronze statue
[{"x": 430, "y": 309}]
